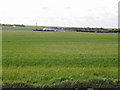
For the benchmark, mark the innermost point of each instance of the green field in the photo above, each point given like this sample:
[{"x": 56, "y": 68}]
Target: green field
[
  {"x": 28, "y": 28},
  {"x": 56, "y": 58}
]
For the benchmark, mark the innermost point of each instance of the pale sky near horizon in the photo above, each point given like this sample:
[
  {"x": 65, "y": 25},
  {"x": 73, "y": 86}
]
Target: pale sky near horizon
[{"x": 73, "y": 13}]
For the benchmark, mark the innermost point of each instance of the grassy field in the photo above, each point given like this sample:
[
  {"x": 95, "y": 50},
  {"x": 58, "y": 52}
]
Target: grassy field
[
  {"x": 26, "y": 28},
  {"x": 56, "y": 58}
]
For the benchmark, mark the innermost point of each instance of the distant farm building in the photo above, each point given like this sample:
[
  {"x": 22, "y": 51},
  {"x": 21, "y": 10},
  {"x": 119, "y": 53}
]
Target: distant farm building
[{"x": 49, "y": 29}]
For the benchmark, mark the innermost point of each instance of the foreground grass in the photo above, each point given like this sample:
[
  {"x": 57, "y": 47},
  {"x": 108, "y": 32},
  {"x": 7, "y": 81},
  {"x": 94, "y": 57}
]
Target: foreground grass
[
  {"x": 50, "y": 58},
  {"x": 54, "y": 75}
]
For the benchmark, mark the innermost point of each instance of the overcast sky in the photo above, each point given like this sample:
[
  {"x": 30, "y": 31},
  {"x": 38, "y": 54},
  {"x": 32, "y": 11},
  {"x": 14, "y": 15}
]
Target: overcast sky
[{"x": 80, "y": 13}]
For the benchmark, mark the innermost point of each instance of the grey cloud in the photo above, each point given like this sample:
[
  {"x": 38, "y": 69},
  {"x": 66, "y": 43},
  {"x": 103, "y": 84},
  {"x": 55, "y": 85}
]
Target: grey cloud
[
  {"x": 68, "y": 7},
  {"x": 44, "y": 8}
]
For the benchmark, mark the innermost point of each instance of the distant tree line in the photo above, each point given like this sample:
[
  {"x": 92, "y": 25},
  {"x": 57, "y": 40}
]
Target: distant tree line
[
  {"x": 82, "y": 29},
  {"x": 16, "y": 25}
]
